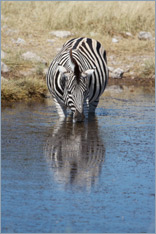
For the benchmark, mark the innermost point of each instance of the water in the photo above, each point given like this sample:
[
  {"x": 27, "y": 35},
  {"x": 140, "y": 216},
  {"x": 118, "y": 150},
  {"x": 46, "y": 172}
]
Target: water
[{"x": 95, "y": 177}]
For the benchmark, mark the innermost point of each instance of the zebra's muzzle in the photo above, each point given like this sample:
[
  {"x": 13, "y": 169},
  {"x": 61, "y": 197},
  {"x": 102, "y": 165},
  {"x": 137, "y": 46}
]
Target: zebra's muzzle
[{"x": 78, "y": 117}]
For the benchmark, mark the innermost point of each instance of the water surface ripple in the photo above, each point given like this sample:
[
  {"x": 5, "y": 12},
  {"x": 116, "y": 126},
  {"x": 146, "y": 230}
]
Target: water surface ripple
[{"x": 91, "y": 177}]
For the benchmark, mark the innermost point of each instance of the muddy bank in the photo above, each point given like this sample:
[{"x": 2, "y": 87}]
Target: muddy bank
[
  {"x": 41, "y": 94},
  {"x": 146, "y": 82}
]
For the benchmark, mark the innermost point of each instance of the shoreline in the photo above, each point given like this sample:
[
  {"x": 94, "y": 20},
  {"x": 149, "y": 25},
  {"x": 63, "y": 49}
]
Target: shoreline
[
  {"x": 128, "y": 81},
  {"x": 148, "y": 84}
]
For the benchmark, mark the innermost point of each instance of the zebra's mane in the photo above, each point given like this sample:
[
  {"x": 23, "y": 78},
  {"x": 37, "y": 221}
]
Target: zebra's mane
[{"x": 76, "y": 67}]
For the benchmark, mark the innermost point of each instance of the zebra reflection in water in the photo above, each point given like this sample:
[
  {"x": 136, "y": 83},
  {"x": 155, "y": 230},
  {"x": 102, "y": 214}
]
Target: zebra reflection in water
[{"x": 76, "y": 153}]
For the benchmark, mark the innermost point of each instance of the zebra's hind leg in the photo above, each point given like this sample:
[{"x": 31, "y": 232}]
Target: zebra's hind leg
[{"x": 61, "y": 110}]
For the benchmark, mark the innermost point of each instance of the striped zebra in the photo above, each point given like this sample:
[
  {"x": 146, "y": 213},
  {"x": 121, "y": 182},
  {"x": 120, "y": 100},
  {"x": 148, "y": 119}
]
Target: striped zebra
[{"x": 77, "y": 77}]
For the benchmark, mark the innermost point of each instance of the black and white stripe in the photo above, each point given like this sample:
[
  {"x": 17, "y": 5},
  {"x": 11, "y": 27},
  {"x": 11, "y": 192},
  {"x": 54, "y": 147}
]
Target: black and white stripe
[{"x": 77, "y": 76}]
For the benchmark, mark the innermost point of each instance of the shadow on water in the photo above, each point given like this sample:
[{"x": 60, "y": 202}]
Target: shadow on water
[{"x": 75, "y": 152}]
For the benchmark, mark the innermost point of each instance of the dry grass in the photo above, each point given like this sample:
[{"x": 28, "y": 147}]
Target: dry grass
[
  {"x": 148, "y": 69},
  {"x": 23, "y": 89},
  {"x": 101, "y": 17},
  {"x": 33, "y": 20}
]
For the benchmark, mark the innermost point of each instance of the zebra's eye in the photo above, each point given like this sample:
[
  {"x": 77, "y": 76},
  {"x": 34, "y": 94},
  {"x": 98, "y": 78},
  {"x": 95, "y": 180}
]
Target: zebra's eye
[
  {"x": 64, "y": 80},
  {"x": 65, "y": 76}
]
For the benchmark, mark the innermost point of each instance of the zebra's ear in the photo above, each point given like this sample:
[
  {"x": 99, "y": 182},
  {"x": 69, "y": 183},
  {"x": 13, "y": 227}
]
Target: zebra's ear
[
  {"x": 62, "y": 69},
  {"x": 89, "y": 72}
]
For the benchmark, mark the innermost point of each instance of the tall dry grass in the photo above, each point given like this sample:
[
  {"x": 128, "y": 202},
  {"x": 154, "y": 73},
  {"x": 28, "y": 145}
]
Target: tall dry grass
[{"x": 78, "y": 16}]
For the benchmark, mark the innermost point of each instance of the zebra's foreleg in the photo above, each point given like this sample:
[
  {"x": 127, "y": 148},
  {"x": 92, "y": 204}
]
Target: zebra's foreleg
[
  {"x": 86, "y": 108},
  {"x": 61, "y": 110}
]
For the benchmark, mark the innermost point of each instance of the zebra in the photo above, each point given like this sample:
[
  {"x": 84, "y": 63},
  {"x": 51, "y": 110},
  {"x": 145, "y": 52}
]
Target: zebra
[{"x": 77, "y": 77}]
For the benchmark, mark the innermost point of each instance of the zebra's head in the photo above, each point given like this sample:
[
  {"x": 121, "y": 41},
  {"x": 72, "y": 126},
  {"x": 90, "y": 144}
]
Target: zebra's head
[{"x": 75, "y": 82}]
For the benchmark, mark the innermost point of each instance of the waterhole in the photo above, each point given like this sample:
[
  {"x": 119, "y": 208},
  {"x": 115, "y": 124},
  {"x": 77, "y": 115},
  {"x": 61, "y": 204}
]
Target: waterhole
[{"x": 90, "y": 177}]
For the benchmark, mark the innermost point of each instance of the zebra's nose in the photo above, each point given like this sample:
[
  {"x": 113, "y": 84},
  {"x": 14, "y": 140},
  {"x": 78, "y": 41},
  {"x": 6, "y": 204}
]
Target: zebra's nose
[{"x": 79, "y": 117}]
